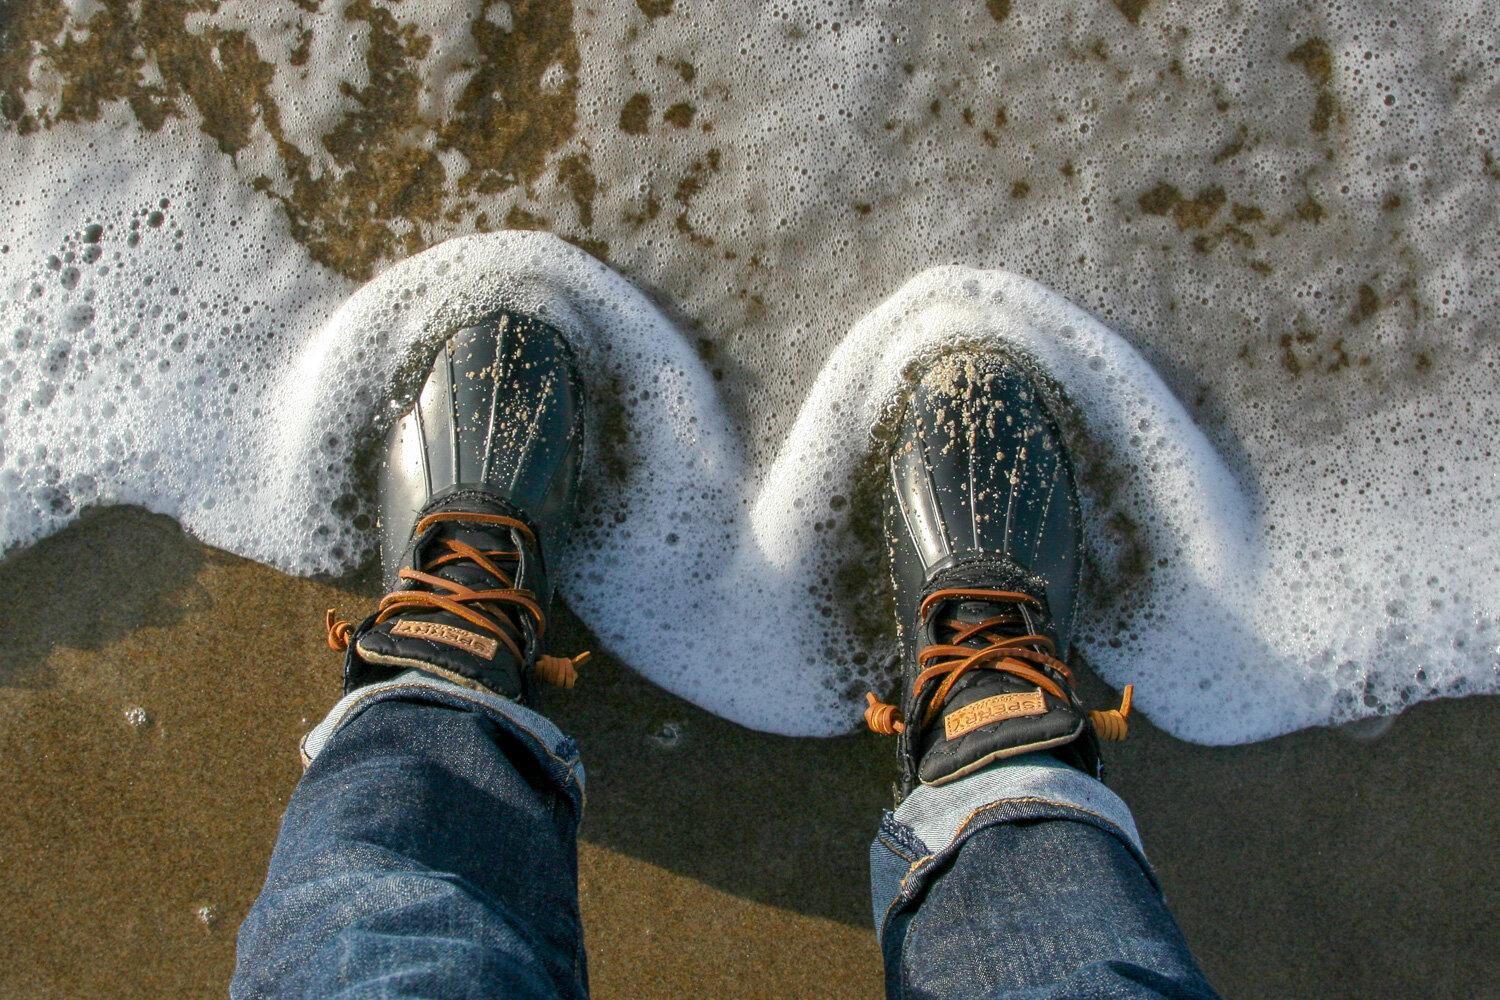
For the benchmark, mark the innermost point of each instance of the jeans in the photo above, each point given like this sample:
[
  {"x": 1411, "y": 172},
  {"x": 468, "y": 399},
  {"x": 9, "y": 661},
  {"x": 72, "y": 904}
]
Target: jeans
[{"x": 430, "y": 850}]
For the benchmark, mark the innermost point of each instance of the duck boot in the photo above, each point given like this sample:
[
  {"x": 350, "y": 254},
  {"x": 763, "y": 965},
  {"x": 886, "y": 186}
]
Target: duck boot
[
  {"x": 477, "y": 491},
  {"x": 983, "y": 526}
]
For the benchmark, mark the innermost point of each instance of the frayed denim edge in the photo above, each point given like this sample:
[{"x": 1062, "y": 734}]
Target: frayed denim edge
[{"x": 553, "y": 749}]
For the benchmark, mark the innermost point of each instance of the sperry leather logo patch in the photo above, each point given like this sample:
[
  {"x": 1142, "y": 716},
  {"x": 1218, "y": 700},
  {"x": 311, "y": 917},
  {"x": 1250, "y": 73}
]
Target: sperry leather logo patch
[
  {"x": 471, "y": 642},
  {"x": 993, "y": 709}
]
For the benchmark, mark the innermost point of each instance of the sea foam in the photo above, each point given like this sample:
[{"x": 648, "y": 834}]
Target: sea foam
[
  {"x": 1287, "y": 213},
  {"x": 683, "y": 547}
]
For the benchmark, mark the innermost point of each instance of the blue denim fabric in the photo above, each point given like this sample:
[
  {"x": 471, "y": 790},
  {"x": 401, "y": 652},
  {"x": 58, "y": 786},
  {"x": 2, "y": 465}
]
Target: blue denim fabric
[
  {"x": 1026, "y": 879},
  {"x": 430, "y": 850}
]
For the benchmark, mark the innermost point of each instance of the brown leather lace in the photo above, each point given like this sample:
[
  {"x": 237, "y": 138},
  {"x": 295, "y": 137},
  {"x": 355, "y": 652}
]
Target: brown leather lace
[
  {"x": 1014, "y": 655},
  {"x": 483, "y": 609}
]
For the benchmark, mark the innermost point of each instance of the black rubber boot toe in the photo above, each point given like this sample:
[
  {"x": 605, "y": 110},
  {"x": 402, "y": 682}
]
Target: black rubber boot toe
[{"x": 502, "y": 410}]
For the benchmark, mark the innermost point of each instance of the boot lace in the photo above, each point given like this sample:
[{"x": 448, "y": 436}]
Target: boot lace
[
  {"x": 485, "y": 609},
  {"x": 1019, "y": 655}
]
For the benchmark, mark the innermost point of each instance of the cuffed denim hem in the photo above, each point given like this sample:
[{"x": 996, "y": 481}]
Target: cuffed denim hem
[
  {"x": 554, "y": 750},
  {"x": 930, "y": 825}
]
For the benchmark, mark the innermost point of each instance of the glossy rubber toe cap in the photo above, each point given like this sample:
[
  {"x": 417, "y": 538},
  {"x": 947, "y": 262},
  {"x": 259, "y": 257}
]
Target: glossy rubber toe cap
[
  {"x": 502, "y": 409},
  {"x": 979, "y": 471}
]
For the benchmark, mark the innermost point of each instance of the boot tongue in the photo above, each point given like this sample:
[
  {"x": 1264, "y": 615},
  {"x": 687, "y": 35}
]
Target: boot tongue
[
  {"x": 991, "y": 714},
  {"x": 968, "y": 613},
  {"x": 446, "y": 644}
]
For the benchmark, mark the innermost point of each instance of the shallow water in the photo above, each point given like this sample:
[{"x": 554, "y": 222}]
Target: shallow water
[{"x": 1288, "y": 215}]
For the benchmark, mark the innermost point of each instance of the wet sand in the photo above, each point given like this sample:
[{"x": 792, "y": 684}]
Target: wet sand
[{"x": 716, "y": 861}]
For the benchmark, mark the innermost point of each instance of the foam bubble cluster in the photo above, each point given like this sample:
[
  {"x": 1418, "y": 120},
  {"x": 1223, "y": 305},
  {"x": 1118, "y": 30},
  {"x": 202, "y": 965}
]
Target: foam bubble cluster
[{"x": 1287, "y": 213}]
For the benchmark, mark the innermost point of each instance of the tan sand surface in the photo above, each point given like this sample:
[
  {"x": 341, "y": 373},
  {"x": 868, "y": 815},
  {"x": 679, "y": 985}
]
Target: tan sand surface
[{"x": 716, "y": 861}]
